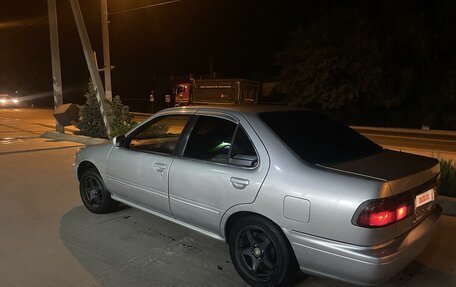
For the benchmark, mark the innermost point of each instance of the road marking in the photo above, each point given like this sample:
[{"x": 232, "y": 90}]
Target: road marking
[
  {"x": 39, "y": 149},
  {"x": 22, "y": 130},
  {"x": 8, "y": 120},
  {"x": 19, "y": 137}
]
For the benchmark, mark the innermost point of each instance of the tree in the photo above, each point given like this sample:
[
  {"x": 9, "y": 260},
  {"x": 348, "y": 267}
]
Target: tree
[
  {"x": 122, "y": 119},
  {"x": 376, "y": 62},
  {"x": 91, "y": 121}
]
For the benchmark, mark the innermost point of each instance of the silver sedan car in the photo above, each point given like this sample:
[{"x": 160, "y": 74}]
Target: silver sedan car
[{"x": 287, "y": 189}]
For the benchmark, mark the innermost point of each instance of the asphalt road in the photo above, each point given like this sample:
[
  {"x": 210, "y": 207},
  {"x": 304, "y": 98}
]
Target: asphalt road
[{"x": 47, "y": 238}]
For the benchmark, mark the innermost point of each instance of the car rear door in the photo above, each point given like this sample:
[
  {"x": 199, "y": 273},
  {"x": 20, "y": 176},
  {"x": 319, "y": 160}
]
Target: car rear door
[
  {"x": 219, "y": 167},
  {"x": 138, "y": 173}
]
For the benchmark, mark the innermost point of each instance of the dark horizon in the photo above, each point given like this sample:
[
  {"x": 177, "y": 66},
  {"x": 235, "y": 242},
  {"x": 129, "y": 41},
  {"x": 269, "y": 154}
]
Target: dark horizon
[
  {"x": 395, "y": 59},
  {"x": 178, "y": 39}
]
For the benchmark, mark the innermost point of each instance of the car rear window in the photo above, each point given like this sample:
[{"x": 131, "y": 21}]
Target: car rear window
[{"x": 318, "y": 139}]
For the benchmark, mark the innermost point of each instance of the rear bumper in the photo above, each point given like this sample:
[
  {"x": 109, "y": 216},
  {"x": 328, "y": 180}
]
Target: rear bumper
[{"x": 363, "y": 265}]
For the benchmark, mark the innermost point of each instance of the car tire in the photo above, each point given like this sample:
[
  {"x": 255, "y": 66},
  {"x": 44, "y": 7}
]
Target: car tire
[
  {"x": 94, "y": 194},
  {"x": 260, "y": 253}
]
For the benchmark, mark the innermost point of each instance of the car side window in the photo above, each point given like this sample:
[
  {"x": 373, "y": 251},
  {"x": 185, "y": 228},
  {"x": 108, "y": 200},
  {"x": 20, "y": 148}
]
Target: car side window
[
  {"x": 160, "y": 135},
  {"x": 210, "y": 139},
  {"x": 242, "y": 152},
  {"x": 214, "y": 139}
]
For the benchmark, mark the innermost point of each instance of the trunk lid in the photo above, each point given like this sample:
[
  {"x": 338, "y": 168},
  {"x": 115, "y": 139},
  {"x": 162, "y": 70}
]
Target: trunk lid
[{"x": 405, "y": 173}]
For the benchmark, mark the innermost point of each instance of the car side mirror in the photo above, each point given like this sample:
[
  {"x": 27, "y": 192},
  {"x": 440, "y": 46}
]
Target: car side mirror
[{"x": 120, "y": 141}]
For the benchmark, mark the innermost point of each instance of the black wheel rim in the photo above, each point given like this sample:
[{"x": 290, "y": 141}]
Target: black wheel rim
[
  {"x": 256, "y": 253},
  {"x": 92, "y": 191}
]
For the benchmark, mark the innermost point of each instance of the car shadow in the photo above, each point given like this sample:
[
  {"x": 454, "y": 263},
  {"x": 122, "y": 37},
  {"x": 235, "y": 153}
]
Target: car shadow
[
  {"x": 130, "y": 247},
  {"x": 414, "y": 275}
]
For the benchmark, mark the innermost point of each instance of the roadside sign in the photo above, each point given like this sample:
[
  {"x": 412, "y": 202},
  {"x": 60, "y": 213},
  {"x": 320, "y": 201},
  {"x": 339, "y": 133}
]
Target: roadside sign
[
  {"x": 167, "y": 98},
  {"x": 151, "y": 97}
]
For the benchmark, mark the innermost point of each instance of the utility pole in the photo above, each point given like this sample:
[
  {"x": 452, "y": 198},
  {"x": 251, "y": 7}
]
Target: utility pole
[
  {"x": 106, "y": 55},
  {"x": 55, "y": 56},
  {"x": 91, "y": 64}
]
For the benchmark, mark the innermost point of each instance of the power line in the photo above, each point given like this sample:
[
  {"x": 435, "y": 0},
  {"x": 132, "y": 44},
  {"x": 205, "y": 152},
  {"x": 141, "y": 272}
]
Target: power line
[
  {"x": 144, "y": 7},
  {"x": 23, "y": 27},
  {"x": 43, "y": 19},
  {"x": 38, "y": 20}
]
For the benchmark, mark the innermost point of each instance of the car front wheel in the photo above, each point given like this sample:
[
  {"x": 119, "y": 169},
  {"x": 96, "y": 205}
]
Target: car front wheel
[
  {"x": 94, "y": 194},
  {"x": 261, "y": 253}
]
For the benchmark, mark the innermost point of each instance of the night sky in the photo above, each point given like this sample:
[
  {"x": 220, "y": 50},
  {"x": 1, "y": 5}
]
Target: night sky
[{"x": 242, "y": 38}]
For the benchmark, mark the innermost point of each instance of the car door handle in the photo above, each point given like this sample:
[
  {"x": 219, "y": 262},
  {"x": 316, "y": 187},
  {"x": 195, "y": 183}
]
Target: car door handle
[
  {"x": 159, "y": 166},
  {"x": 239, "y": 183}
]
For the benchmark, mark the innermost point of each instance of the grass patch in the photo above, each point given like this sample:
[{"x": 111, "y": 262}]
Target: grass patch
[{"x": 447, "y": 184}]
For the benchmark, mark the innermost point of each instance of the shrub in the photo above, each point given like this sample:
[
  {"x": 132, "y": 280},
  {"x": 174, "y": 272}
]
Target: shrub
[
  {"x": 447, "y": 184},
  {"x": 91, "y": 121},
  {"x": 122, "y": 119}
]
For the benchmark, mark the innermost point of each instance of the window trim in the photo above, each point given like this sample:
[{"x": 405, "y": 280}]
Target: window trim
[{"x": 183, "y": 140}]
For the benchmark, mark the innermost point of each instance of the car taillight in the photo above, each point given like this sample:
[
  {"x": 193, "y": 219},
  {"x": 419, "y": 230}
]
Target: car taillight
[
  {"x": 384, "y": 211},
  {"x": 401, "y": 212}
]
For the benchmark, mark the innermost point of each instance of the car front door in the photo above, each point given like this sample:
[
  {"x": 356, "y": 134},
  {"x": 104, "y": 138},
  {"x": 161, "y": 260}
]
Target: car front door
[
  {"x": 219, "y": 167},
  {"x": 138, "y": 172}
]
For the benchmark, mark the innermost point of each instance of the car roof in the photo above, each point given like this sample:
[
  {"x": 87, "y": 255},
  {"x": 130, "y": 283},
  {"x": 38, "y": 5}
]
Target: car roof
[{"x": 245, "y": 109}]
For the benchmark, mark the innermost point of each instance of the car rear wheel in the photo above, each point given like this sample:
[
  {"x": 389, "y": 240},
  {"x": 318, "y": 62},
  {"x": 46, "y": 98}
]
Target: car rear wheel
[
  {"x": 94, "y": 194},
  {"x": 261, "y": 253}
]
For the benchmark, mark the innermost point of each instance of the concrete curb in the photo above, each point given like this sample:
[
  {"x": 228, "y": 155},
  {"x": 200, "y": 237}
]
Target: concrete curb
[
  {"x": 73, "y": 138},
  {"x": 448, "y": 204}
]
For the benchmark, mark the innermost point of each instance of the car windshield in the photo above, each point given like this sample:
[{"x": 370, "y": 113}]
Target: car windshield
[{"x": 318, "y": 139}]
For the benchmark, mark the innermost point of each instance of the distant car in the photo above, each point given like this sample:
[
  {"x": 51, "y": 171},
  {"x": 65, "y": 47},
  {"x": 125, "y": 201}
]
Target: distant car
[
  {"x": 286, "y": 188},
  {"x": 8, "y": 101}
]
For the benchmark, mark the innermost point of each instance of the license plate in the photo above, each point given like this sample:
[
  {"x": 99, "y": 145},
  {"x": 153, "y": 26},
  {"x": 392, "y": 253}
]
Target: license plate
[{"x": 423, "y": 198}]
